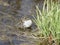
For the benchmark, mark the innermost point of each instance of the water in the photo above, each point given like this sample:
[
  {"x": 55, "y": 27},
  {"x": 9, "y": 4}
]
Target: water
[
  {"x": 10, "y": 15},
  {"x": 20, "y": 8}
]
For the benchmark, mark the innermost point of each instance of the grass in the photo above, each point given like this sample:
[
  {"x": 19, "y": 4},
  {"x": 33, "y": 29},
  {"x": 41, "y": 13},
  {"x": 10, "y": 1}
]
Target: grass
[{"x": 48, "y": 19}]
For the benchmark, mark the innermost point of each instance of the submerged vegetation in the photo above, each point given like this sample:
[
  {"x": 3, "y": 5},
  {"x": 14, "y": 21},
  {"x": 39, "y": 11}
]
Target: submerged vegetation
[{"x": 48, "y": 20}]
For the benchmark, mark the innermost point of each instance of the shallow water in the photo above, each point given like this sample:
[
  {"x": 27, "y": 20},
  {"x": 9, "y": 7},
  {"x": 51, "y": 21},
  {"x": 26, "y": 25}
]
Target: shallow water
[
  {"x": 10, "y": 15},
  {"x": 18, "y": 9}
]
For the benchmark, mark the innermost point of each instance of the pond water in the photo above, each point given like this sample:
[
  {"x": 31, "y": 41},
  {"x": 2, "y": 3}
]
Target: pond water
[
  {"x": 18, "y": 8},
  {"x": 11, "y": 11}
]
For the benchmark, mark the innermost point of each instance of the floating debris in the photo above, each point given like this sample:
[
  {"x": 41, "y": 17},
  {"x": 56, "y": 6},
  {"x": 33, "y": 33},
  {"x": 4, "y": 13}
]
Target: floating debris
[{"x": 27, "y": 23}]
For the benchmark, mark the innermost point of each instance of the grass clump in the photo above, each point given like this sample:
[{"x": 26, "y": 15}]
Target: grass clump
[{"x": 48, "y": 19}]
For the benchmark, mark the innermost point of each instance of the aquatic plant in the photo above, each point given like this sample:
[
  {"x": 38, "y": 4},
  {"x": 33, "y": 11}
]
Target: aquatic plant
[{"x": 48, "y": 19}]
